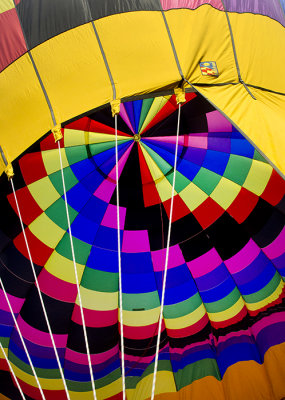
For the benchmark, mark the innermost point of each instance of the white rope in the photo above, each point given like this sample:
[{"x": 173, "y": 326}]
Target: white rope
[
  {"x": 40, "y": 295},
  {"x": 22, "y": 340},
  {"x": 76, "y": 276},
  {"x": 119, "y": 263},
  {"x": 166, "y": 259},
  {"x": 13, "y": 373}
]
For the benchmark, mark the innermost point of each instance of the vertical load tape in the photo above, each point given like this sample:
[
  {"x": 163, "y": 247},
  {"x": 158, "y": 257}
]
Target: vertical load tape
[{"x": 5, "y": 165}]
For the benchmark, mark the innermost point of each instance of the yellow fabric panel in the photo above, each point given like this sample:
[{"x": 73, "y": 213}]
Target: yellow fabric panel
[
  {"x": 225, "y": 192},
  {"x": 261, "y": 120},
  {"x": 262, "y": 58},
  {"x": 100, "y": 301},
  {"x": 44, "y": 192},
  {"x": 6, "y": 5},
  {"x": 186, "y": 320},
  {"x": 202, "y": 35},
  {"x": 52, "y": 162},
  {"x": 63, "y": 268},
  {"x": 193, "y": 196},
  {"x": 164, "y": 384},
  {"x": 46, "y": 230},
  {"x": 138, "y": 50},
  {"x": 73, "y": 72},
  {"x": 24, "y": 113},
  {"x": 101, "y": 393},
  {"x": 157, "y": 104},
  {"x": 258, "y": 177},
  {"x": 141, "y": 318}
]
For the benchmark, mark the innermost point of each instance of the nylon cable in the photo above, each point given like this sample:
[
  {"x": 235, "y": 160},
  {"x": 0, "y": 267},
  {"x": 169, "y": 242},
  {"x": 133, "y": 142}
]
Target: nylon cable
[
  {"x": 76, "y": 276},
  {"x": 22, "y": 340},
  {"x": 119, "y": 263},
  {"x": 13, "y": 373},
  {"x": 166, "y": 258},
  {"x": 40, "y": 294}
]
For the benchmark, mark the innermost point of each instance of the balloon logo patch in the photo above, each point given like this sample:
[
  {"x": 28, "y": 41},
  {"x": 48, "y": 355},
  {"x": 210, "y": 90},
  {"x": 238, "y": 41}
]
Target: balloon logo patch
[{"x": 209, "y": 68}]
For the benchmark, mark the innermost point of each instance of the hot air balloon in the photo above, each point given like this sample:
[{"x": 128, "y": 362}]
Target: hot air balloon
[{"x": 142, "y": 229}]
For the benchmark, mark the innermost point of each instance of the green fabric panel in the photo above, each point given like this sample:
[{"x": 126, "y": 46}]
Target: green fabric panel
[
  {"x": 81, "y": 249},
  {"x": 100, "y": 281},
  {"x": 223, "y": 304},
  {"x": 147, "y": 301},
  {"x": 183, "y": 308},
  {"x": 195, "y": 371},
  {"x": 206, "y": 180},
  {"x": 4, "y": 341},
  {"x": 76, "y": 386},
  {"x": 42, "y": 373},
  {"x": 75, "y": 154},
  {"x": 180, "y": 181},
  {"x": 144, "y": 111},
  {"x": 69, "y": 178},
  {"x": 160, "y": 162},
  {"x": 106, "y": 380},
  {"x": 258, "y": 156},
  {"x": 97, "y": 148},
  {"x": 132, "y": 381},
  {"x": 265, "y": 291},
  {"x": 237, "y": 168},
  {"x": 57, "y": 211}
]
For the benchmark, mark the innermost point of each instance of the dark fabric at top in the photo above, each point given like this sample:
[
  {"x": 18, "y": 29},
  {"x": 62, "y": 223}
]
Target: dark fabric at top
[
  {"x": 103, "y": 8},
  {"x": 43, "y": 19}
]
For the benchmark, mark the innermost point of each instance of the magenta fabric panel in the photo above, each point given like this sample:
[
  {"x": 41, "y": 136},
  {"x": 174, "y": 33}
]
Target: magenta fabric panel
[
  {"x": 191, "y": 4},
  {"x": 12, "y": 42}
]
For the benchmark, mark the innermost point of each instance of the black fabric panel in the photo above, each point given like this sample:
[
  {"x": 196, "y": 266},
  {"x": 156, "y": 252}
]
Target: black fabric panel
[
  {"x": 281, "y": 206},
  {"x": 196, "y": 338},
  {"x": 18, "y": 264},
  {"x": 184, "y": 228},
  {"x": 227, "y": 236},
  {"x": 99, "y": 339},
  {"x": 43, "y": 19},
  {"x": 193, "y": 119},
  {"x": 59, "y": 312},
  {"x": 144, "y": 347},
  {"x": 270, "y": 230},
  {"x": 195, "y": 246},
  {"x": 104, "y": 116},
  {"x": 258, "y": 217},
  {"x": 103, "y": 8},
  {"x": 8, "y": 388}
]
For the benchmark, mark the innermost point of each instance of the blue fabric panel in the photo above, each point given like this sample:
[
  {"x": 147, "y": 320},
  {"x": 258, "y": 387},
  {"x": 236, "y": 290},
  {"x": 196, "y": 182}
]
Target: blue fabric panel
[
  {"x": 78, "y": 196},
  {"x": 216, "y": 161},
  {"x": 84, "y": 229},
  {"x": 218, "y": 292},
  {"x": 137, "y": 113},
  {"x": 103, "y": 259},
  {"x": 94, "y": 209},
  {"x": 107, "y": 238}
]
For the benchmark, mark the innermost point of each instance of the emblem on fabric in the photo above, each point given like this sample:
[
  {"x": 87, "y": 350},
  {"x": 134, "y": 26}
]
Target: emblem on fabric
[{"x": 209, "y": 68}]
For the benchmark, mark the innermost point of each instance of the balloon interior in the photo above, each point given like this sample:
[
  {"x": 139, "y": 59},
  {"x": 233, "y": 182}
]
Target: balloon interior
[{"x": 142, "y": 255}]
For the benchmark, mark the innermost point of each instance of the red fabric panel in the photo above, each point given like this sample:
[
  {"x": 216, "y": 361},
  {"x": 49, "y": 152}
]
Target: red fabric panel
[
  {"x": 48, "y": 143},
  {"x": 28, "y": 207},
  {"x": 274, "y": 190},
  {"x": 237, "y": 318},
  {"x": 243, "y": 205},
  {"x": 12, "y": 42},
  {"x": 32, "y": 167},
  {"x": 39, "y": 251},
  {"x": 179, "y": 208},
  {"x": 150, "y": 193},
  {"x": 208, "y": 212}
]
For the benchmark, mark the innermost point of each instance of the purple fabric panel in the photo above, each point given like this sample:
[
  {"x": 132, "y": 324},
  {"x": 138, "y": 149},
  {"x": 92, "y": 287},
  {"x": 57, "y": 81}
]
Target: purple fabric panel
[
  {"x": 270, "y": 8},
  {"x": 191, "y": 4},
  {"x": 12, "y": 43}
]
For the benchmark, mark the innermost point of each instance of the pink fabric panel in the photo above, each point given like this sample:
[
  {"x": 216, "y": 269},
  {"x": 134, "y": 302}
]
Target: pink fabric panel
[
  {"x": 12, "y": 42},
  {"x": 191, "y": 4}
]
